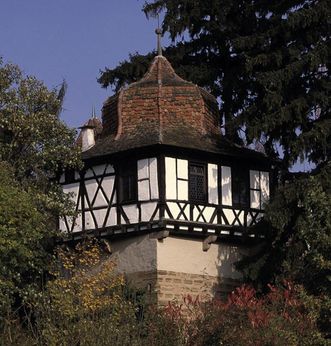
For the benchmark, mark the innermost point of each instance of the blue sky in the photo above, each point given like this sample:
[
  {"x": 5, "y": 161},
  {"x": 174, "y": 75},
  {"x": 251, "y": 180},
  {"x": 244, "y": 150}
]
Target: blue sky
[{"x": 72, "y": 40}]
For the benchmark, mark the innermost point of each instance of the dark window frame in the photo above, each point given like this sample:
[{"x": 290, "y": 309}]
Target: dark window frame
[
  {"x": 192, "y": 197},
  {"x": 128, "y": 183},
  {"x": 240, "y": 186}
]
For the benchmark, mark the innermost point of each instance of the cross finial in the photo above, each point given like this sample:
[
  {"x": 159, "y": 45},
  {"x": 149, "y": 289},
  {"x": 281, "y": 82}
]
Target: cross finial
[
  {"x": 93, "y": 112},
  {"x": 158, "y": 32}
]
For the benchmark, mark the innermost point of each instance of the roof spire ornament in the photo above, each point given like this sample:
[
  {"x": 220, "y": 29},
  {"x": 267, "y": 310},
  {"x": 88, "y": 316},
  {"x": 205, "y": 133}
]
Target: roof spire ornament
[
  {"x": 93, "y": 112},
  {"x": 158, "y": 32}
]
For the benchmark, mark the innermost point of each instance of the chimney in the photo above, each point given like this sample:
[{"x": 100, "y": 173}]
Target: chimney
[{"x": 87, "y": 136}]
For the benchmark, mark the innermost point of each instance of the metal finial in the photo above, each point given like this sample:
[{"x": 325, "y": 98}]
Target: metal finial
[
  {"x": 158, "y": 32},
  {"x": 93, "y": 112}
]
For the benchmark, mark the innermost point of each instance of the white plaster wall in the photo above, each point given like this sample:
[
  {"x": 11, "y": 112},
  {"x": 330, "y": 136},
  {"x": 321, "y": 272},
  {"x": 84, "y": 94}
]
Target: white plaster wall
[
  {"x": 77, "y": 223},
  {"x": 73, "y": 189},
  {"x": 108, "y": 186},
  {"x": 134, "y": 254},
  {"x": 182, "y": 169},
  {"x": 143, "y": 190},
  {"x": 131, "y": 212},
  {"x": 88, "y": 139},
  {"x": 147, "y": 179},
  {"x": 171, "y": 178},
  {"x": 153, "y": 178},
  {"x": 91, "y": 188},
  {"x": 99, "y": 170},
  {"x": 147, "y": 210},
  {"x": 187, "y": 256},
  {"x": 142, "y": 168},
  {"x": 226, "y": 186},
  {"x": 212, "y": 183},
  {"x": 265, "y": 193}
]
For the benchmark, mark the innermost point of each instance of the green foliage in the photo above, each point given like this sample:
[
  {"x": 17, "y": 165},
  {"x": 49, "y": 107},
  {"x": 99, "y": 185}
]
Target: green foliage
[
  {"x": 35, "y": 141},
  {"x": 284, "y": 316},
  {"x": 24, "y": 233},
  {"x": 298, "y": 228},
  {"x": 269, "y": 62},
  {"x": 34, "y": 147}
]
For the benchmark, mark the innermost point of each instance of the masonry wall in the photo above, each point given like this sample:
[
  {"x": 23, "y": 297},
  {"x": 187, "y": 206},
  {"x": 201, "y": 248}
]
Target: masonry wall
[{"x": 174, "y": 267}]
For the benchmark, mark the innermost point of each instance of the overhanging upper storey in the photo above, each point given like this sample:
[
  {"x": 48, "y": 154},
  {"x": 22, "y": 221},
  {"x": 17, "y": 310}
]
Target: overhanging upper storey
[{"x": 160, "y": 163}]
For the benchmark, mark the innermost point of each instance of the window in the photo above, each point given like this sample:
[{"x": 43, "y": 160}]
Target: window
[
  {"x": 197, "y": 183},
  {"x": 259, "y": 189},
  {"x": 239, "y": 187},
  {"x": 128, "y": 182}
]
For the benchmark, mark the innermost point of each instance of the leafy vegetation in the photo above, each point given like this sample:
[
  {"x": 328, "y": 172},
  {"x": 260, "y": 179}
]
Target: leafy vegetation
[
  {"x": 86, "y": 304},
  {"x": 269, "y": 64},
  {"x": 34, "y": 147}
]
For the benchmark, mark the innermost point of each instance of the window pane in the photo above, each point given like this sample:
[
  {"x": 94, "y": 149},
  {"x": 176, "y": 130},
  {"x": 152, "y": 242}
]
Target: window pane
[
  {"x": 239, "y": 187},
  {"x": 128, "y": 183},
  {"x": 197, "y": 183}
]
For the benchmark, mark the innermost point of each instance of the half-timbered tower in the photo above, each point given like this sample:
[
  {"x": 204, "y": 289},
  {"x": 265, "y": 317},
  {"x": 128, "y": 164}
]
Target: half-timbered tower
[{"x": 176, "y": 201}]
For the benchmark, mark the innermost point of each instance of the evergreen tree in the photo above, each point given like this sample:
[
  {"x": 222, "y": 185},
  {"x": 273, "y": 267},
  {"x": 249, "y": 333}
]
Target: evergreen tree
[{"x": 269, "y": 62}]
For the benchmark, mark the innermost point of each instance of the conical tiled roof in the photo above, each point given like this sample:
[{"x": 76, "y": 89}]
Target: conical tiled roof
[{"x": 160, "y": 108}]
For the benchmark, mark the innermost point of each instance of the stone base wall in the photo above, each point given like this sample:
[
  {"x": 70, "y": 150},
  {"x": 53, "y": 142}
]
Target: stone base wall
[
  {"x": 163, "y": 286},
  {"x": 174, "y": 286}
]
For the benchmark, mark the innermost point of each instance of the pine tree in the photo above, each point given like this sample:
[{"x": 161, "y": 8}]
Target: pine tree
[{"x": 269, "y": 63}]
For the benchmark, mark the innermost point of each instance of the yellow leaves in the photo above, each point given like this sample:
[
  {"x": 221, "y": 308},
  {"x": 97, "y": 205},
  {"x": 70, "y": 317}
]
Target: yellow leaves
[{"x": 86, "y": 282}]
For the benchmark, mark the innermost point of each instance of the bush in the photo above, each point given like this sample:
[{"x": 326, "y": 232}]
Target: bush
[
  {"x": 284, "y": 316},
  {"x": 87, "y": 302}
]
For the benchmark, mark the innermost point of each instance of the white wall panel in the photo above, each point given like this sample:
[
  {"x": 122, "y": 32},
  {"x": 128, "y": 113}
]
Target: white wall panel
[
  {"x": 229, "y": 215},
  {"x": 255, "y": 199},
  {"x": 171, "y": 179},
  {"x": 62, "y": 224},
  {"x": 182, "y": 190},
  {"x": 153, "y": 178},
  {"x": 91, "y": 188},
  {"x": 89, "y": 222},
  {"x": 100, "y": 199},
  {"x": 100, "y": 215},
  {"x": 143, "y": 190},
  {"x": 112, "y": 218},
  {"x": 147, "y": 179},
  {"x": 212, "y": 183},
  {"x": 174, "y": 209},
  {"x": 109, "y": 169},
  {"x": 254, "y": 178},
  {"x": 182, "y": 169},
  {"x": 78, "y": 224},
  {"x": 89, "y": 173},
  {"x": 208, "y": 213},
  {"x": 131, "y": 212},
  {"x": 73, "y": 190},
  {"x": 226, "y": 186},
  {"x": 265, "y": 191},
  {"x": 143, "y": 169},
  {"x": 99, "y": 170},
  {"x": 147, "y": 210},
  {"x": 108, "y": 185}
]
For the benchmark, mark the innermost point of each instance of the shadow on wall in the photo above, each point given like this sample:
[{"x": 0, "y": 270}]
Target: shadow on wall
[
  {"x": 228, "y": 276},
  {"x": 137, "y": 254}
]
